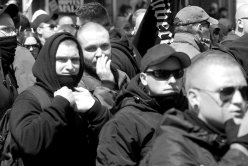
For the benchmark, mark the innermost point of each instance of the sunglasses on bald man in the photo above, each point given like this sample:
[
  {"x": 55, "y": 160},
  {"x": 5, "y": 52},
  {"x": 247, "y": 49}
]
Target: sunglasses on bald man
[{"x": 226, "y": 94}]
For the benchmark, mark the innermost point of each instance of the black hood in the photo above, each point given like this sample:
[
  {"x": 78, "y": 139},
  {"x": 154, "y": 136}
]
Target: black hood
[
  {"x": 134, "y": 94},
  {"x": 44, "y": 68}
]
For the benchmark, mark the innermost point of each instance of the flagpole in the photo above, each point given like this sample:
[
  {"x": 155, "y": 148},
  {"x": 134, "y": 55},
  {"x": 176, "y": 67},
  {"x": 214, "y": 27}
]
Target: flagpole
[{"x": 114, "y": 9}]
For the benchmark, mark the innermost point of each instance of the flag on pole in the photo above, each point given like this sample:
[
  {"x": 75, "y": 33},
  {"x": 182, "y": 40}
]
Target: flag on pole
[{"x": 156, "y": 26}]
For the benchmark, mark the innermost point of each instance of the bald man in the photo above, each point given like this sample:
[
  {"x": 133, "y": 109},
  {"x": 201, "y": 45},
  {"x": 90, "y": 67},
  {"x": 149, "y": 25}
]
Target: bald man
[
  {"x": 99, "y": 76},
  {"x": 65, "y": 20},
  {"x": 209, "y": 132},
  {"x": 241, "y": 20}
]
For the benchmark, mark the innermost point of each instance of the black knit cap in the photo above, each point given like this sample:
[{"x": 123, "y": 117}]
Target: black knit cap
[
  {"x": 159, "y": 53},
  {"x": 11, "y": 9}
]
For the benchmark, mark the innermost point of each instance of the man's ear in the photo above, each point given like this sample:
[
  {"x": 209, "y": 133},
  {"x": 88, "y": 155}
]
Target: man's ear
[
  {"x": 143, "y": 78},
  {"x": 240, "y": 24},
  {"x": 39, "y": 30},
  {"x": 197, "y": 27},
  {"x": 193, "y": 97}
]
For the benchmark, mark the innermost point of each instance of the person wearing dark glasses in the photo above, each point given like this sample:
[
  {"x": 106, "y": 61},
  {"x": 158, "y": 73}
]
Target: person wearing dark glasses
[
  {"x": 214, "y": 131},
  {"x": 30, "y": 41},
  {"x": 126, "y": 138},
  {"x": 44, "y": 25}
]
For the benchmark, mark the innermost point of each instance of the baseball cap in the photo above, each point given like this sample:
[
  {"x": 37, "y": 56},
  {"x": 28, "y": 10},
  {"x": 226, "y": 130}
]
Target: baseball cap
[
  {"x": 11, "y": 9},
  {"x": 192, "y": 14},
  {"x": 39, "y": 17},
  {"x": 159, "y": 53}
]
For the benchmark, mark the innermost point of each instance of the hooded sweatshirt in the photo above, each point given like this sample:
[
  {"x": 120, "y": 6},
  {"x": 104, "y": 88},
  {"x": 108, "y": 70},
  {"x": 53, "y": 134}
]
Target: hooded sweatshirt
[
  {"x": 56, "y": 134},
  {"x": 125, "y": 56},
  {"x": 127, "y": 137}
]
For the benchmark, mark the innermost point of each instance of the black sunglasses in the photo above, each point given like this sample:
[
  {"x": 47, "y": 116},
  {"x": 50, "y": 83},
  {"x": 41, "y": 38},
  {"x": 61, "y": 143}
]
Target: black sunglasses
[
  {"x": 166, "y": 74},
  {"x": 227, "y": 93}
]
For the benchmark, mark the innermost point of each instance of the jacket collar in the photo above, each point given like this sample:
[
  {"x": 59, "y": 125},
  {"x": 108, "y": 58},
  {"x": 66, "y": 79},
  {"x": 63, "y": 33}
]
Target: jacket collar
[
  {"x": 182, "y": 37},
  {"x": 195, "y": 129}
]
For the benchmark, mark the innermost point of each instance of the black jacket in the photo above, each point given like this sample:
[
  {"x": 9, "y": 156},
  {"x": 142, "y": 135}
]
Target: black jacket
[
  {"x": 56, "y": 135},
  {"x": 125, "y": 56},
  {"x": 184, "y": 140},
  {"x": 8, "y": 83},
  {"x": 126, "y": 138}
]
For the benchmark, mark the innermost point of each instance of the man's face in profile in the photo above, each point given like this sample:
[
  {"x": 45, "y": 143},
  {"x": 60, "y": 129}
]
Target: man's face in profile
[{"x": 219, "y": 95}]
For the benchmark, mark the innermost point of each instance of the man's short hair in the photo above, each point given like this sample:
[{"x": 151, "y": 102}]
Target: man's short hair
[
  {"x": 94, "y": 12},
  {"x": 205, "y": 59},
  {"x": 185, "y": 28},
  {"x": 89, "y": 23}
]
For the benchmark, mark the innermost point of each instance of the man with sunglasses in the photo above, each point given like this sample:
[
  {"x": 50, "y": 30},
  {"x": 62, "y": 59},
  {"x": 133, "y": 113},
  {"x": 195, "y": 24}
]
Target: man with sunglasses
[
  {"x": 43, "y": 25},
  {"x": 214, "y": 131},
  {"x": 127, "y": 137},
  {"x": 192, "y": 34},
  {"x": 8, "y": 44}
]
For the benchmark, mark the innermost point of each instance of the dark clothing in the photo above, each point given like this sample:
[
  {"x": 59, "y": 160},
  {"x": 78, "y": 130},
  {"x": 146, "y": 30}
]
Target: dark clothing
[
  {"x": 238, "y": 48},
  {"x": 55, "y": 135},
  {"x": 8, "y": 90},
  {"x": 104, "y": 91},
  {"x": 186, "y": 140},
  {"x": 227, "y": 40},
  {"x": 126, "y": 138},
  {"x": 8, "y": 84},
  {"x": 125, "y": 56}
]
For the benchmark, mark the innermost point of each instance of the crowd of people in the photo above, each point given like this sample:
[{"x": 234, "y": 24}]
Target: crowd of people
[{"x": 105, "y": 104}]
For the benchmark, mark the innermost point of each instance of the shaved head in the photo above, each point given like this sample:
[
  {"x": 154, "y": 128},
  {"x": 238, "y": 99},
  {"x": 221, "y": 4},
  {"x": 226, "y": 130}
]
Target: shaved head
[
  {"x": 65, "y": 20},
  {"x": 242, "y": 11},
  {"x": 95, "y": 42},
  {"x": 202, "y": 64},
  {"x": 91, "y": 27}
]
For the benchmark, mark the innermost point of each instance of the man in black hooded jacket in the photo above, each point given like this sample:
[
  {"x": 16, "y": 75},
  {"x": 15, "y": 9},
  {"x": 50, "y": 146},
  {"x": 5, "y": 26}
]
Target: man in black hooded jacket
[
  {"x": 63, "y": 131},
  {"x": 8, "y": 43},
  {"x": 126, "y": 138}
]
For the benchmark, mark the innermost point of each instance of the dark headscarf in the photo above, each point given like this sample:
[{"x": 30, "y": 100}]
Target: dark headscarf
[{"x": 44, "y": 68}]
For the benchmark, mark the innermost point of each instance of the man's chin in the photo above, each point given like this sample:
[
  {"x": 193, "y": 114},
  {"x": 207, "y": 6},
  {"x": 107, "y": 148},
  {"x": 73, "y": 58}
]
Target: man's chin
[
  {"x": 171, "y": 91},
  {"x": 237, "y": 121}
]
